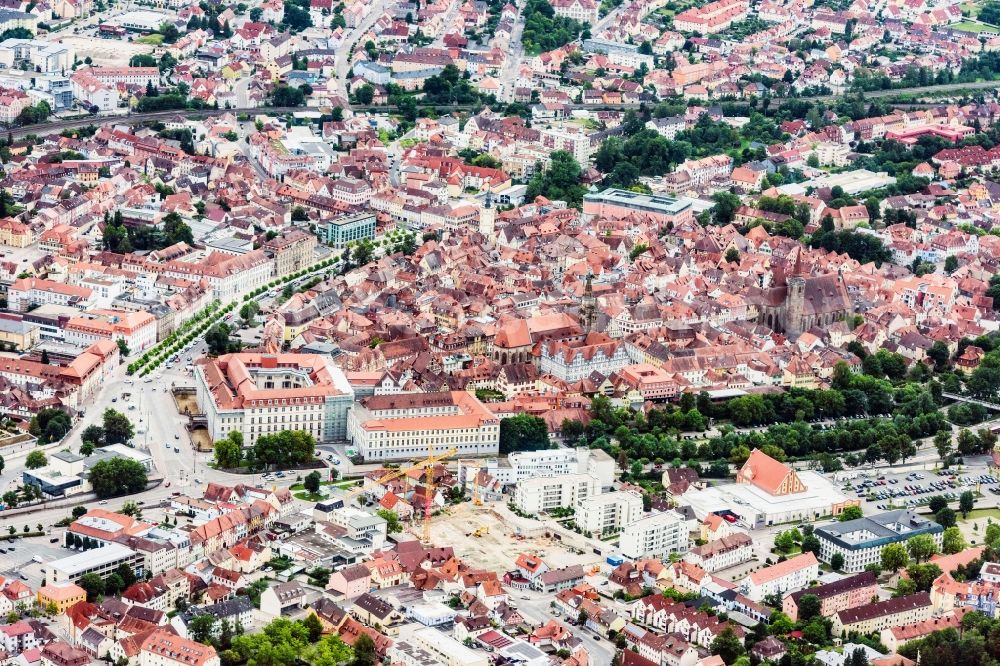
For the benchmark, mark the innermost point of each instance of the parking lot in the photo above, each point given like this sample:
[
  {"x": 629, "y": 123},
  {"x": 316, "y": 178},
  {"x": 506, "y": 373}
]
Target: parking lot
[
  {"x": 18, "y": 557},
  {"x": 915, "y": 489}
]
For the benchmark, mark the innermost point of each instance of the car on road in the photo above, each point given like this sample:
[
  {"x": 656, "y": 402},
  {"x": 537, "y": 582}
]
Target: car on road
[
  {"x": 176, "y": 436},
  {"x": 177, "y": 449}
]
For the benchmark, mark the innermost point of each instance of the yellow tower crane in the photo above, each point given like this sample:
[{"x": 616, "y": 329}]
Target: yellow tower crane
[{"x": 427, "y": 464}]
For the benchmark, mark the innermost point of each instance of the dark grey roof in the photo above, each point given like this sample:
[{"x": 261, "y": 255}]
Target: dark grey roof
[{"x": 885, "y": 528}]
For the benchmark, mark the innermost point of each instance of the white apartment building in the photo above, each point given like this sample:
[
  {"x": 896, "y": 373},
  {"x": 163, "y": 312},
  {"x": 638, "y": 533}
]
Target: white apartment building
[
  {"x": 37, "y": 291},
  {"x": 608, "y": 513},
  {"x": 657, "y": 535},
  {"x": 832, "y": 154},
  {"x": 723, "y": 553},
  {"x": 546, "y": 462},
  {"x": 408, "y": 425},
  {"x": 793, "y": 574},
  {"x": 571, "y": 139},
  {"x": 552, "y": 492},
  {"x": 41, "y": 56}
]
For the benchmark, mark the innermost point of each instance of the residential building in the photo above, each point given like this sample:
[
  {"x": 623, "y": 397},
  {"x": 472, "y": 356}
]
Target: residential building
[
  {"x": 884, "y": 614},
  {"x": 656, "y": 535},
  {"x": 723, "y": 553},
  {"x": 608, "y": 513},
  {"x": 788, "y": 576},
  {"x": 164, "y": 648},
  {"x": 847, "y": 592},
  {"x": 546, "y": 493},
  {"x": 27, "y": 292}
]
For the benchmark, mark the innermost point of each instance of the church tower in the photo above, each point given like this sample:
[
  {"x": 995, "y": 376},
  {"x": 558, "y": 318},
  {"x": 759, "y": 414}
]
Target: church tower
[
  {"x": 588, "y": 304},
  {"x": 488, "y": 219},
  {"x": 795, "y": 301}
]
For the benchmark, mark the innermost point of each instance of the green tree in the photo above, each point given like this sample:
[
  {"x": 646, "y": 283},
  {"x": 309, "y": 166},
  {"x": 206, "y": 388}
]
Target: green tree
[
  {"x": 732, "y": 255},
  {"x": 837, "y": 561},
  {"x": 365, "y": 94},
  {"x": 364, "y": 651},
  {"x": 311, "y": 482},
  {"x": 966, "y": 502},
  {"x": 118, "y": 428},
  {"x": 229, "y": 451},
  {"x": 92, "y": 584},
  {"x": 93, "y": 434},
  {"x": 117, "y": 476},
  {"x": 248, "y": 312},
  {"x": 560, "y": 181},
  {"x": 936, "y": 503},
  {"x": 923, "y": 575},
  {"x": 36, "y": 459},
  {"x": 393, "y": 526},
  {"x": 201, "y": 628},
  {"x": 952, "y": 541},
  {"x": 894, "y": 557},
  {"x": 726, "y": 205},
  {"x": 945, "y": 517},
  {"x": 920, "y": 547},
  {"x": 284, "y": 449},
  {"x": 851, "y": 513},
  {"x": 49, "y": 425},
  {"x": 728, "y": 646},
  {"x": 523, "y": 432},
  {"x": 809, "y": 607},
  {"x": 219, "y": 342}
]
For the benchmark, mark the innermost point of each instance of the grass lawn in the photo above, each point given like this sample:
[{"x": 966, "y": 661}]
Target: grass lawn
[
  {"x": 977, "y": 514},
  {"x": 972, "y": 26},
  {"x": 153, "y": 39},
  {"x": 309, "y": 497}
]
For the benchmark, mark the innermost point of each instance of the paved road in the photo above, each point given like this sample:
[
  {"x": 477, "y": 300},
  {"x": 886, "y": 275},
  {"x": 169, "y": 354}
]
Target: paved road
[
  {"x": 515, "y": 55},
  {"x": 343, "y": 59}
]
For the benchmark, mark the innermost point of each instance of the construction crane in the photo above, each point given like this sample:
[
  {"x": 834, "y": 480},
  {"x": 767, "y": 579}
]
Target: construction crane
[
  {"x": 403, "y": 471},
  {"x": 427, "y": 464}
]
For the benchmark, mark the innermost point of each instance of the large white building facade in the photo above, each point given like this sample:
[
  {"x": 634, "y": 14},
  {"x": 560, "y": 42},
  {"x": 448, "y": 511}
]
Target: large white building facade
[
  {"x": 412, "y": 425},
  {"x": 657, "y": 535},
  {"x": 552, "y": 492},
  {"x": 262, "y": 394},
  {"x": 608, "y": 513}
]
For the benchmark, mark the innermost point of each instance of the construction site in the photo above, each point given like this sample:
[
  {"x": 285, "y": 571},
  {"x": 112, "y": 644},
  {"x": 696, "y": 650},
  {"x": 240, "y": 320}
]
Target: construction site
[{"x": 491, "y": 537}]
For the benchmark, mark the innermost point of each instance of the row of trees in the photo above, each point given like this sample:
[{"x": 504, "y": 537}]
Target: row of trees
[{"x": 282, "y": 450}]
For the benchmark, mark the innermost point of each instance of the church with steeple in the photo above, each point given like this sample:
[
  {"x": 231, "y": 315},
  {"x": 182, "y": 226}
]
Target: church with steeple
[{"x": 796, "y": 302}]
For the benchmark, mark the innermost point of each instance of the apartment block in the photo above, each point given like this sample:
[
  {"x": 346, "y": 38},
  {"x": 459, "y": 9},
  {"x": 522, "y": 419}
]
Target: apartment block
[
  {"x": 657, "y": 535},
  {"x": 552, "y": 492},
  {"x": 608, "y": 513}
]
